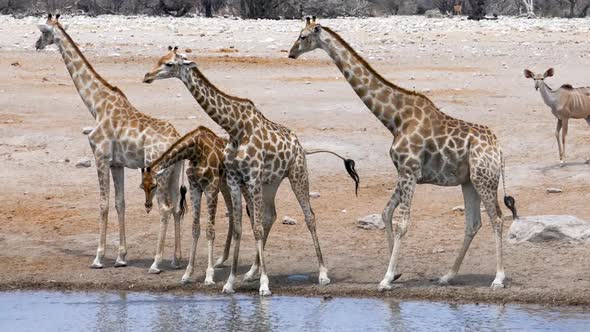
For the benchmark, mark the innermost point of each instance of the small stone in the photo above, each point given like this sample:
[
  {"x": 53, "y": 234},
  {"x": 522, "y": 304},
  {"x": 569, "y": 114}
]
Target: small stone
[
  {"x": 87, "y": 130},
  {"x": 188, "y": 50},
  {"x": 459, "y": 208},
  {"x": 343, "y": 211},
  {"x": 116, "y": 55},
  {"x": 554, "y": 190},
  {"x": 67, "y": 160},
  {"x": 314, "y": 194},
  {"x": 372, "y": 221},
  {"x": 437, "y": 250},
  {"x": 289, "y": 221},
  {"x": 84, "y": 162},
  {"x": 15, "y": 64}
]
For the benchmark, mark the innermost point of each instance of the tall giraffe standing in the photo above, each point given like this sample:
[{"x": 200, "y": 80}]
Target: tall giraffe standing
[
  {"x": 206, "y": 174},
  {"x": 428, "y": 147},
  {"x": 258, "y": 156},
  {"x": 123, "y": 137}
]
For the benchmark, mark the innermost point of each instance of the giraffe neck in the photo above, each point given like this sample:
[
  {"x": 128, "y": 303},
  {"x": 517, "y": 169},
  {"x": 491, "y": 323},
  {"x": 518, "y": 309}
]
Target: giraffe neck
[
  {"x": 186, "y": 148},
  {"x": 549, "y": 96},
  {"x": 383, "y": 98},
  {"x": 93, "y": 89},
  {"x": 230, "y": 113}
]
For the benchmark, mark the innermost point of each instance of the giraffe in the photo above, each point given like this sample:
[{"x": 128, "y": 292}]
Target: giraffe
[
  {"x": 566, "y": 103},
  {"x": 204, "y": 151},
  {"x": 260, "y": 154},
  {"x": 122, "y": 138},
  {"x": 428, "y": 147},
  {"x": 458, "y": 9}
]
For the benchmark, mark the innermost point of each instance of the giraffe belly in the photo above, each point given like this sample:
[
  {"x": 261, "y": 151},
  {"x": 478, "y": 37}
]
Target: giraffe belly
[{"x": 443, "y": 172}]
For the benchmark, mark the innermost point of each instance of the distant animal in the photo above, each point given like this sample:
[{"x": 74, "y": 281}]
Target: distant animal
[
  {"x": 457, "y": 9},
  {"x": 566, "y": 103}
]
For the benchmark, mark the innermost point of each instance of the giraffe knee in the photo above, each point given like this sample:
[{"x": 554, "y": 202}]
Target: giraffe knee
[{"x": 196, "y": 232}]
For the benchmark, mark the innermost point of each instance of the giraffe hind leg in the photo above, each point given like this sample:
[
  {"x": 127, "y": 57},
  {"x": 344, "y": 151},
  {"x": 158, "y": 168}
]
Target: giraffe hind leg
[
  {"x": 300, "y": 186},
  {"x": 487, "y": 188}
]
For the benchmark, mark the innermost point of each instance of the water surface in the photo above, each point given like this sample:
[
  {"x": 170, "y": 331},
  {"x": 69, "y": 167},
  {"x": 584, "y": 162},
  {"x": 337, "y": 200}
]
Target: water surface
[{"x": 54, "y": 311}]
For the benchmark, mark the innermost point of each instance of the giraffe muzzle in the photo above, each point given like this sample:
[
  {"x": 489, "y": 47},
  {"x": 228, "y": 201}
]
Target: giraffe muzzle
[
  {"x": 148, "y": 79},
  {"x": 148, "y": 207}
]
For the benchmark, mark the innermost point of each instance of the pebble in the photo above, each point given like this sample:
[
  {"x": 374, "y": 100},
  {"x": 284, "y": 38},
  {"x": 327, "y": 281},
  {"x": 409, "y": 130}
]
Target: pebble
[
  {"x": 83, "y": 162},
  {"x": 554, "y": 190},
  {"x": 459, "y": 208},
  {"x": 289, "y": 221},
  {"x": 372, "y": 221},
  {"x": 314, "y": 194}
]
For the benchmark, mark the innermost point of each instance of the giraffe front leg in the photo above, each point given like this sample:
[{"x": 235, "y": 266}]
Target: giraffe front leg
[
  {"x": 103, "y": 169},
  {"x": 407, "y": 185},
  {"x": 165, "y": 207},
  {"x": 196, "y": 199},
  {"x": 236, "y": 199},
  {"x": 211, "y": 197},
  {"x": 255, "y": 193},
  {"x": 557, "y": 131},
  {"x": 118, "y": 174}
]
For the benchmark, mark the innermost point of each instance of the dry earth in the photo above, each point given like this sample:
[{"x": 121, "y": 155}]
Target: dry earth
[{"x": 473, "y": 71}]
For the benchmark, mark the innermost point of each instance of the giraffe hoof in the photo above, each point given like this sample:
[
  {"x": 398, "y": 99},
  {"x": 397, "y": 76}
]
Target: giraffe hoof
[
  {"x": 154, "y": 270},
  {"x": 96, "y": 265},
  {"x": 384, "y": 287},
  {"x": 185, "y": 280},
  {"x": 209, "y": 282},
  {"x": 120, "y": 263},
  {"x": 175, "y": 264},
  {"x": 228, "y": 289},
  {"x": 324, "y": 281},
  {"x": 265, "y": 292},
  {"x": 497, "y": 285}
]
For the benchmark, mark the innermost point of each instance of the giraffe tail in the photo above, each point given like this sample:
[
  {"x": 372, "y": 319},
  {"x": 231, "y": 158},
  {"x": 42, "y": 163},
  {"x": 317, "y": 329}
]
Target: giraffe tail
[
  {"x": 509, "y": 201},
  {"x": 349, "y": 165},
  {"x": 182, "y": 203}
]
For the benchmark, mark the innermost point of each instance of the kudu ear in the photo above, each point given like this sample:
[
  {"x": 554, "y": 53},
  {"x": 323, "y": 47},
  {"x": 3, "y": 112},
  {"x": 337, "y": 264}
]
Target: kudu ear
[
  {"x": 548, "y": 73},
  {"x": 528, "y": 74}
]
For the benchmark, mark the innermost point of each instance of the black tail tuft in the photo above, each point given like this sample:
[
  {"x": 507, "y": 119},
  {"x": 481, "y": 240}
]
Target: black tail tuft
[
  {"x": 349, "y": 165},
  {"x": 182, "y": 204},
  {"x": 511, "y": 205}
]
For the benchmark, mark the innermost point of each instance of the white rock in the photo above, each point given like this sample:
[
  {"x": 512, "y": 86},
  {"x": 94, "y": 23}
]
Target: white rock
[
  {"x": 372, "y": 221},
  {"x": 83, "y": 162},
  {"x": 459, "y": 208},
  {"x": 437, "y": 250},
  {"x": 554, "y": 190},
  {"x": 314, "y": 194},
  {"x": 549, "y": 228},
  {"x": 289, "y": 221},
  {"x": 87, "y": 130},
  {"x": 343, "y": 211}
]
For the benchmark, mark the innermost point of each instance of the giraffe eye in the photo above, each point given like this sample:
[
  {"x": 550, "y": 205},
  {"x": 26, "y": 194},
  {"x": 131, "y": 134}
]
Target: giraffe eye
[
  {"x": 303, "y": 37},
  {"x": 169, "y": 64}
]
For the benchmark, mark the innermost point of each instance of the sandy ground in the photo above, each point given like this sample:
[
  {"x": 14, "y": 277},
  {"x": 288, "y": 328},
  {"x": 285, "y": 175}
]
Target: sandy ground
[{"x": 473, "y": 71}]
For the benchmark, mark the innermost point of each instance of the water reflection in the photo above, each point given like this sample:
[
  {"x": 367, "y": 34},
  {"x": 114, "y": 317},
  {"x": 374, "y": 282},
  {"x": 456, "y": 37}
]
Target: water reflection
[{"x": 47, "y": 311}]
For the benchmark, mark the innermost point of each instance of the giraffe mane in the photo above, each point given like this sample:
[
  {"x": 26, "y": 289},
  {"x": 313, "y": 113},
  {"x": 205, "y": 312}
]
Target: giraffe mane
[
  {"x": 219, "y": 91},
  {"x": 373, "y": 71},
  {"x": 88, "y": 65},
  {"x": 204, "y": 130}
]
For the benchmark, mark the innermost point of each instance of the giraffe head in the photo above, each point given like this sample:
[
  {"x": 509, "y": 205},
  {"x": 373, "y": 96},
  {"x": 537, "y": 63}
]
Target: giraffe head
[
  {"x": 308, "y": 40},
  {"x": 47, "y": 32},
  {"x": 149, "y": 184},
  {"x": 538, "y": 78},
  {"x": 172, "y": 64}
]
